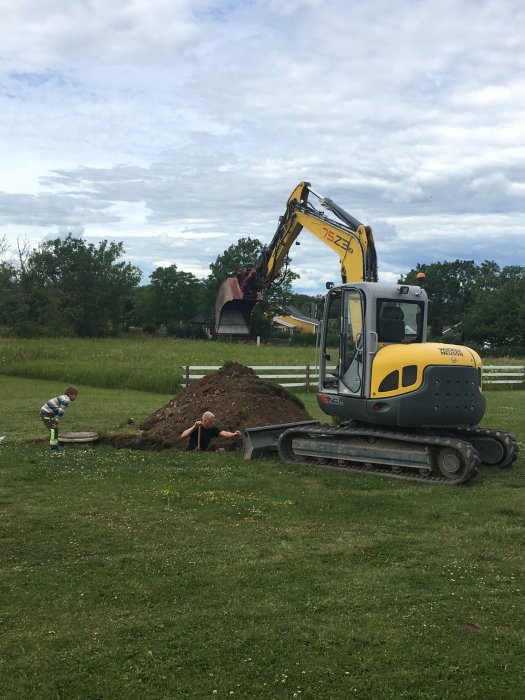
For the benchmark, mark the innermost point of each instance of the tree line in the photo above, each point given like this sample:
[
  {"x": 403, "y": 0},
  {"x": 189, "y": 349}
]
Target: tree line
[
  {"x": 70, "y": 287},
  {"x": 480, "y": 304}
]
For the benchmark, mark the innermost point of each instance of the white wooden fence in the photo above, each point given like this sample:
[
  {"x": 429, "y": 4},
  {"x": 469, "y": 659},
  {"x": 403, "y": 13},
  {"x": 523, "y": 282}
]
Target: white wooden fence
[
  {"x": 503, "y": 374},
  {"x": 307, "y": 375}
]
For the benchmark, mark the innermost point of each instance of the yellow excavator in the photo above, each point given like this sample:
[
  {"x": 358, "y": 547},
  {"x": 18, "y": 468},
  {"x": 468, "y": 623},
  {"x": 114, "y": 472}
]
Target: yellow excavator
[{"x": 405, "y": 408}]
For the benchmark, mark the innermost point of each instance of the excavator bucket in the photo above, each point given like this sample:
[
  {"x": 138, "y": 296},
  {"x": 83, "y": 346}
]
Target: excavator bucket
[
  {"x": 232, "y": 310},
  {"x": 258, "y": 442}
]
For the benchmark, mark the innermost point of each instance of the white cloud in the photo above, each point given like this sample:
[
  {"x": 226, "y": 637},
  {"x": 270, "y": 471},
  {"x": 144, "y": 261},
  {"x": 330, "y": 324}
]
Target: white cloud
[{"x": 178, "y": 126}]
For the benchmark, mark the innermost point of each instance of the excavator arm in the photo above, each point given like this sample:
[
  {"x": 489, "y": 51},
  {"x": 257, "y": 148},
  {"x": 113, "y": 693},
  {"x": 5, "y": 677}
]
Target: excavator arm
[{"x": 348, "y": 238}]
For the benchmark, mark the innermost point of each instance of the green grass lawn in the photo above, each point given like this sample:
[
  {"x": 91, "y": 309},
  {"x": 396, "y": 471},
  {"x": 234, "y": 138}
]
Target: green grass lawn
[
  {"x": 141, "y": 363},
  {"x": 173, "y": 575},
  {"x": 168, "y": 575}
]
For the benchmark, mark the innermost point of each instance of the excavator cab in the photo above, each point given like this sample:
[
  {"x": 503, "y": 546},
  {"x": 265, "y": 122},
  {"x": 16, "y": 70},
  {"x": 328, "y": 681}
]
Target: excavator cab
[
  {"x": 376, "y": 366},
  {"x": 361, "y": 319}
]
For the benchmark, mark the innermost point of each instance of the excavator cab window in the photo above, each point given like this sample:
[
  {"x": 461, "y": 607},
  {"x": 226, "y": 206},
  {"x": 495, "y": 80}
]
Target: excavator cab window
[
  {"x": 342, "y": 367},
  {"x": 352, "y": 342},
  {"x": 332, "y": 340},
  {"x": 399, "y": 322}
]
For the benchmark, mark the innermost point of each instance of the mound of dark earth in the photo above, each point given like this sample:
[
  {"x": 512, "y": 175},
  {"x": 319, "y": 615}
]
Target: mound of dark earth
[{"x": 235, "y": 394}]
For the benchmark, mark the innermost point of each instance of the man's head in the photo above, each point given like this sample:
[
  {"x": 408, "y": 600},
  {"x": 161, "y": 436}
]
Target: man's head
[
  {"x": 208, "y": 419},
  {"x": 72, "y": 392}
]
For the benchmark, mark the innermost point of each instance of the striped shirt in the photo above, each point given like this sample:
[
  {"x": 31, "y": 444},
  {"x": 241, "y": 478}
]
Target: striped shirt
[{"x": 55, "y": 407}]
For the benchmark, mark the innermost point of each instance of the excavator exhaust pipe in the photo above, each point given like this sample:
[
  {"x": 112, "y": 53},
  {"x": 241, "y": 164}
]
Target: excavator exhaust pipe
[{"x": 232, "y": 310}]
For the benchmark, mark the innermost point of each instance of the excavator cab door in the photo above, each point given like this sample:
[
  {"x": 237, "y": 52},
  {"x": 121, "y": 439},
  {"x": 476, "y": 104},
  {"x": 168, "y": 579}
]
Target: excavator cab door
[
  {"x": 330, "y": 342},
  {"x": 352, "y": 343},
  {"x": 343, "y": 346}
]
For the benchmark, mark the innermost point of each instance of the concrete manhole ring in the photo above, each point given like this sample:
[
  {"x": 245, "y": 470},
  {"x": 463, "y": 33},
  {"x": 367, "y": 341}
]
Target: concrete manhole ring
[{"x": 77, "y": 437}]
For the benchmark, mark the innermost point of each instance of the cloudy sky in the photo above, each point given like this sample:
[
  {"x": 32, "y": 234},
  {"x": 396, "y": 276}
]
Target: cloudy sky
[{"x": 177, "y": 126}]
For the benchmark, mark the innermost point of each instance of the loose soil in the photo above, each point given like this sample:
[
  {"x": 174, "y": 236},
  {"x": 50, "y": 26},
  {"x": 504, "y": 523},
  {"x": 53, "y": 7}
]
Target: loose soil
[{"x": 235, "y": 394}]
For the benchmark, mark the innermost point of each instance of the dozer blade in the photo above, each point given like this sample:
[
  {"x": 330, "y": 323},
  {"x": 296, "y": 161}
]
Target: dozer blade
[
  {"x": 232, "y": 310},
  {"x": 258, "y": 442}
]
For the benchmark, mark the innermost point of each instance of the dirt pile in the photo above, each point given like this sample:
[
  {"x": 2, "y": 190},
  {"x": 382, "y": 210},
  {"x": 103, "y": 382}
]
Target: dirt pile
[{"x": 235, "y": 394}]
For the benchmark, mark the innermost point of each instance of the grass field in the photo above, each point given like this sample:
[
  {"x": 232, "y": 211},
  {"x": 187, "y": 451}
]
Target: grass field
[
  {"x": 140, "y": 363},
  {"x": 144, "y": 364},
  {"x": 172, "y": 575}
]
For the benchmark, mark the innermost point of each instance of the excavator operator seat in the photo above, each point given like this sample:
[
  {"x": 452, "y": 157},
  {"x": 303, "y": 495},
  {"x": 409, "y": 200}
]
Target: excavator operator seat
[{"x": 391, "y": 328}]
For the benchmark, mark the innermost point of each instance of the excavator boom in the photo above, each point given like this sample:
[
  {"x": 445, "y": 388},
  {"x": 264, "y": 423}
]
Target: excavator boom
[{"x": 346, "y": 236}]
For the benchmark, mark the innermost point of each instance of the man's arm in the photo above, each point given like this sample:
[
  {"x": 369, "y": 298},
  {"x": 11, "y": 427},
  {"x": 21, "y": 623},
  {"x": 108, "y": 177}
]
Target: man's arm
[
  {"x": 190, "y": 430},
  {"x": 227, "y": 434}
]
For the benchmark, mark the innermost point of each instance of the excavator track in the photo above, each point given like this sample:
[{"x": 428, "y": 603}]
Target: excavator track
[
  {"x": 409, "y": 456},
  {"x": 495, "y": 448}
]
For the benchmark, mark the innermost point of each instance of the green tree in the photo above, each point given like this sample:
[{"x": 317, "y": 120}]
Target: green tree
[
  {"x": 174, "y": 295},
  {"x": 496, "y": 315},
  {"x": 244, "y": 254},
  {"x": 309, "y": 305},
  {"x": 8, "y": 292},
  {"x": 69, "y": 285},
  {"x": 449, "y": 286},
  {"x": 487, "y": 302},
  {"x": 142, "y": 304}
]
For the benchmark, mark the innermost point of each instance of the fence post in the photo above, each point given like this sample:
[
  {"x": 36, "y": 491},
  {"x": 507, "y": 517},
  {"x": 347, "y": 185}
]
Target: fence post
[
  {"x": 187, "y": 375},
  {"x": 307, "y": 377}
]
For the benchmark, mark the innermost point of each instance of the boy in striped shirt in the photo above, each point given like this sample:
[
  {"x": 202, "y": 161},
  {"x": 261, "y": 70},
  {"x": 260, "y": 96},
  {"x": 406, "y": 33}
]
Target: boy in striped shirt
[{"x": 53, "y": 410}]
